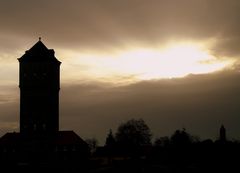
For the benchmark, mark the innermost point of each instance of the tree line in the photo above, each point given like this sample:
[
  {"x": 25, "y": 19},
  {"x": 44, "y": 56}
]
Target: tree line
[
  {"x": 136, "y": 133},
  {"x": 131, "y": 148}
]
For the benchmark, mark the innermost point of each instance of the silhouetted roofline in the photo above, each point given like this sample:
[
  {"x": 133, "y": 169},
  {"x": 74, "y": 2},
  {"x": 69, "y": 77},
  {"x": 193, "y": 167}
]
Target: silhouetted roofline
[
  {"x": 61, "y": 138},
  {"x": 38, "y": 53}
]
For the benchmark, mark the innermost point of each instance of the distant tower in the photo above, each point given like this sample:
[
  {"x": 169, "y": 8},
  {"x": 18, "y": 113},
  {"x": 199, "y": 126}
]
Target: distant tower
[
  {"x": 110, "y": 140},
  {"x": 222, "y": 133},
  {"x": 39, "y": 83}
]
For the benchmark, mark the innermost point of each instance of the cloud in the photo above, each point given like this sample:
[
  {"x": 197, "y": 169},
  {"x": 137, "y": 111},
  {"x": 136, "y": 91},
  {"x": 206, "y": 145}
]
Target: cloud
[
  {"x": 200, "y": 103},
  {"x": 9, "y": 117},
  {"x": 109, "y": 24}
]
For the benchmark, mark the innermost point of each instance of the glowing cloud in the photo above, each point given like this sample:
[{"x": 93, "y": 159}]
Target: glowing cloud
[{"x": 137, "y": 64}]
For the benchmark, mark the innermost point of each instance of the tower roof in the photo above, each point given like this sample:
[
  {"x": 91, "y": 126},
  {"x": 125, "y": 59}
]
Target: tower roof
[
  {"x": 38, "y": 47},
  {"x": 38, "y": 53}
]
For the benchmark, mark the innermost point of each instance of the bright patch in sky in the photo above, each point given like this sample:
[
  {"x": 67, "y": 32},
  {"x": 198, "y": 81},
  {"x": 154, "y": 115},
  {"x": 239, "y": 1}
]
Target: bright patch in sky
[{"x": 145, "y": 63}]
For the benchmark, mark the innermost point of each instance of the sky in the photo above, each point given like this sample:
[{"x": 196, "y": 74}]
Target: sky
[{"x": 173, "y": 63}]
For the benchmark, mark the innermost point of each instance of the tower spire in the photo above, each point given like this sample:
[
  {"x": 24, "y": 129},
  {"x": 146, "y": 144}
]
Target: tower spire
[{"x": 222, "y": 133}]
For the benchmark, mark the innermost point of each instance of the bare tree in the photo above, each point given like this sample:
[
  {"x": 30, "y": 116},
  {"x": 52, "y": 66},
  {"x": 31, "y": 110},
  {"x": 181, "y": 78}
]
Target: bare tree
[
  {"x": 162, "y": 141},
  {"x": 133, "y": 133},
  {"x": 181, "y": 138}
]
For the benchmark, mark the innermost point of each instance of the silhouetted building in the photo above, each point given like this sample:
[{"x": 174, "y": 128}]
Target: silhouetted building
[
  {"x": 39, "y": 89},
  {"x": 110, "y": 140},
  {"x": 39, "y": 139},
  {"x": 222, "y": 133}
]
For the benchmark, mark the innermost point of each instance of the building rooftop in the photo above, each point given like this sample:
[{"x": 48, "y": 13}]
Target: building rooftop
[{"x": 39, "y": 52}]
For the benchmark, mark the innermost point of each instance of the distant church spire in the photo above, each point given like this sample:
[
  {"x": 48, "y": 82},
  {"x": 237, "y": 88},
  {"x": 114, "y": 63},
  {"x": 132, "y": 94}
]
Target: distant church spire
[
  {"x": 222, "y": 133},
  {"x": 39, "y": 38}
]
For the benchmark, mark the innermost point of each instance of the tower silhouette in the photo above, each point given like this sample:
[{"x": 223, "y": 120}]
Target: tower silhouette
[
  {"x": 39, "y": 84},
  {"x": 40, "y": 140},
  {"x": 222, "y": 132}
]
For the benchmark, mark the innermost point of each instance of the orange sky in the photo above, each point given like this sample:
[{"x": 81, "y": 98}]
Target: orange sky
[{"x": 119, "y": 56}]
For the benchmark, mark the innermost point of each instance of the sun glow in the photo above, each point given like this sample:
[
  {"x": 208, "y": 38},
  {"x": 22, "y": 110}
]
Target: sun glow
[
  {"x": 177, "y": 61},
  {"x": 146, "y": 64}
]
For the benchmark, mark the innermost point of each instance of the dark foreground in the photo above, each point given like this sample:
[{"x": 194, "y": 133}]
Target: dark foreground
[{"x": 199, "y": 157}]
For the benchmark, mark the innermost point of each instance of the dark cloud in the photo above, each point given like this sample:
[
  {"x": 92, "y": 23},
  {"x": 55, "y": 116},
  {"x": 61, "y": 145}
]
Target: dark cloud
[
  {"x": 9, "y": 117},
  {"x": 115, "y": 24},
  {"x": 199, "y": 103}
]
